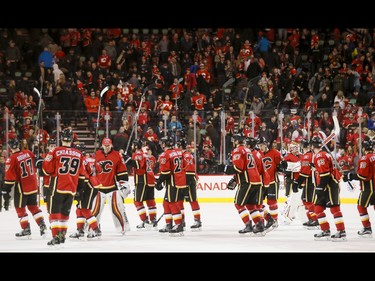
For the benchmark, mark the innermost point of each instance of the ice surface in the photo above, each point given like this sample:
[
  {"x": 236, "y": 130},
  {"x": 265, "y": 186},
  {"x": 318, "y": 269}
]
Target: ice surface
[{"x": 219, "y": 234}]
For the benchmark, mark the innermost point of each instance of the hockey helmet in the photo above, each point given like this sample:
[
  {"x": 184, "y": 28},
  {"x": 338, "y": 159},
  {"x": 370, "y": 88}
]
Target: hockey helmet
[
  {"x": 14, "y": 143},
  {"x": 305, "y": 143},
  {"x": 51, "y": 141},
  {"x": 316, "y": 142},
  {"x": 182, "y": 143},
  {"x": 368, "y": 145},
  {"x": 81, "y": 147},
  {"x": 67, "y": 135},
  {"x": 167, "y": 141},
  {"x": 137, "y": 144}
]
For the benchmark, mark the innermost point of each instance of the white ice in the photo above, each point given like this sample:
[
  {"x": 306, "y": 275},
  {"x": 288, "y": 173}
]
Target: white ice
[{"x": 221, "y": 223}]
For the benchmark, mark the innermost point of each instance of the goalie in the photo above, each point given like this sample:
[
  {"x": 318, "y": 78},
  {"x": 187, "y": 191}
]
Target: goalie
[{"x": 113, "y": 176}]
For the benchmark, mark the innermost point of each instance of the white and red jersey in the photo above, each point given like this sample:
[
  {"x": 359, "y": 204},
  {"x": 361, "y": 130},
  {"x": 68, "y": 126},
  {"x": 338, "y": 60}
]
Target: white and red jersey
[
  {"x": 229, "y": 127},
  {"x": 91, "y": 168},
  {"x": 204, "y": 73},
  {"x": 20, "y": 172},
  {"x": 143, "y": 168},
  {"x": 291, "y": 157},
  {"x": 42, "y": 136},
  {"x": 245, "y": 166},
  {"x": 171, "y": 163},
  {"x": 199, "y": 101},
  {"x": 176, "y": 90},
  {"x": 258, "y": 160},
  {"x": 65, "y": 166},
  {"x": 323, "y": 163},
  {"x": 112, "y": 169},
  {"x": 271, "y": 160},
  {"x": 306, "y": 160},
  {"x": 189, "y": 163},
  {"x": 365, "y": 168},
  {"x": 104, "y": 61}
]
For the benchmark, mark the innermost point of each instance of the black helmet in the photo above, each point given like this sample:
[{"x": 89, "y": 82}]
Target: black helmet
[
  {"x": 252, "y": 142},
  {"x": 263, "y": 140},
  {"x": 182, "y": 143},
  {"x": 305, "y": 143},
  {"x": 81, "y": 147},
  {"x": 137, "y": 144},
  {"x": 239, "y": 137},
  {"x": 14, "y": 143},
  {"x": 368, "y": 145},
  {"x": 51, "y": 141},
  {"x": 168, "y": 141},
  {"x": 316, "y": 142},
  {"x": 67, "y": 135}
]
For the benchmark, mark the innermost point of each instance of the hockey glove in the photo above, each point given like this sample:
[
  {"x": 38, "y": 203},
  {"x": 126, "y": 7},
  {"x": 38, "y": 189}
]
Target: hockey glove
[
  {"x": 124, "y": 188},
  {"x": 346, "y": 177},
  {"x": 127, "y": 158},
  {"x": 232, "y": 184},
  {"x": 283, "y": 165},
  {"x": 159, "y": 185}
]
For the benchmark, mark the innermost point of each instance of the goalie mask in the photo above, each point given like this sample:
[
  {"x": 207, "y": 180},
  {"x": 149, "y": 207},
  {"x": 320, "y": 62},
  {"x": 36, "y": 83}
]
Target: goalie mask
[{"x": 293, "y": 148}]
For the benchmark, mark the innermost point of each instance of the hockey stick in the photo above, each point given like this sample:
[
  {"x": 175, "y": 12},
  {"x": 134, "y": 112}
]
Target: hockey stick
[
  {"x": 137, "y": 114},
  {"x": 98, "y": 116},
  {"x": 336, "y": 131},
  {"x": 157, "y": 221},
  {"x": 37, "y": 137}
]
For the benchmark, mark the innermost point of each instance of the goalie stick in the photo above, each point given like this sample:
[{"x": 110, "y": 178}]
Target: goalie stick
[{"x": 97, "y": 119}]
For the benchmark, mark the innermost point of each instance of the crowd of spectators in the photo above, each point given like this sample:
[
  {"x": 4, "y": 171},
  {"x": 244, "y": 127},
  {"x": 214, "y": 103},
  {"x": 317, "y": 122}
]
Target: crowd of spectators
[{"x": 276, "y": 71}]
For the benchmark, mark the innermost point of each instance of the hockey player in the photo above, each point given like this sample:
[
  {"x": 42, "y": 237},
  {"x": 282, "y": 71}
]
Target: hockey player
[
  {"x": 20, "y": 174},
  {"x": 51, "y": 145},
  {"x": 327, "y": 193},
  {"x": 190, "y": 192},
  {"x": 252, "y": 144},
  {"x": 247, "y": 177},
  {"x": 365, "y": 174},
  {"x": 291, "y": 176},
  {"x": 305, "y": 181},
  {"x": 65, "y": 166},
  {"x": 173, "y": 177},
  {"x": 113, "y": 171},
  {"x": 271, "y": 162},
  {"x": 144, "y": 181},
  {"x": 86, "y": 192}
]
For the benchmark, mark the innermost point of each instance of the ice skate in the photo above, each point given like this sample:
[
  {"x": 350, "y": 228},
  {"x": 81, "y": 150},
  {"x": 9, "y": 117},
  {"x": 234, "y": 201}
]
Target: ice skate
[
  {"x": 24, "y": 234},
  {"x": 365, "y": 232},
  {"x": 324, "y": 235},
  {"x": 177, "y": 230},
  {"x": 197, "y": 226},
  {"x": 145, "y": 225},
  {"x": 271, "y": 224},
  {"x": 166, "y": 229},
  {"x": 94, "y": 234},
  {"x": 248, "y": 229},
  {"x": 43, "y": 230},
  {"x": 340, "y": 235},
  {"x": 79, "y": 234},
  {"x": 311, "y": 224},
  {"x": 57, "y": 242},
  {"x": 258, "y": 229}
]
